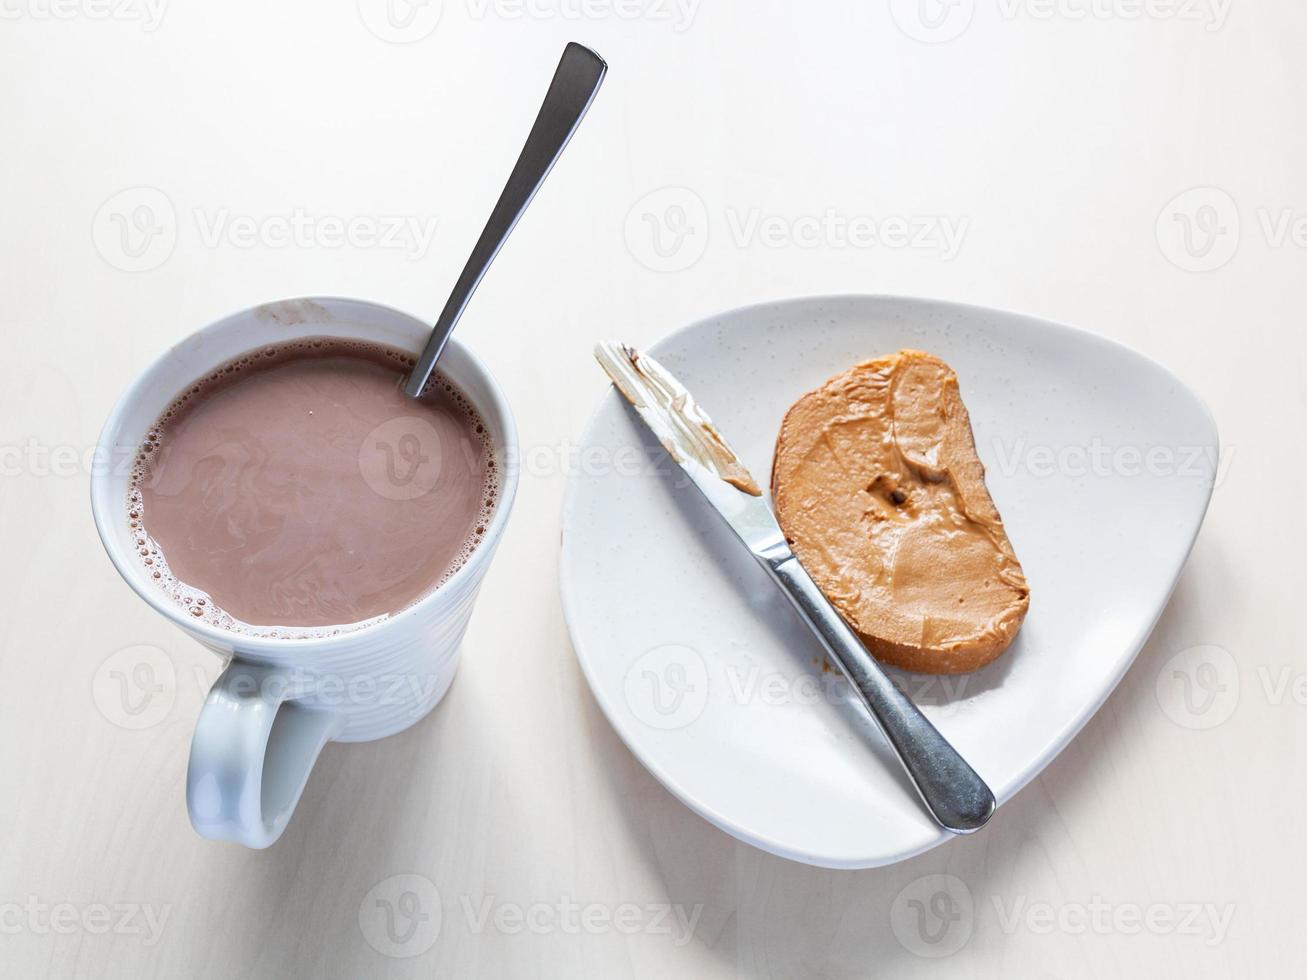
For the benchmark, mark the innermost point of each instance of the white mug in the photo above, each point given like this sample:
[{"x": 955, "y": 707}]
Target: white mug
[{"x": 279, "y": 700}]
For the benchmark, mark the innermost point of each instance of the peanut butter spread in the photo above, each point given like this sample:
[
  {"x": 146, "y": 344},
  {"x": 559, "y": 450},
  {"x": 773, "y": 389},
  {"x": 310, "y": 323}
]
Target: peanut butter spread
[{"x": 878, "y": 487}]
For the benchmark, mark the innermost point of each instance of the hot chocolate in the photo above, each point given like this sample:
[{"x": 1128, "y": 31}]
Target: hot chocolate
[{"x": 297, "y": 491}]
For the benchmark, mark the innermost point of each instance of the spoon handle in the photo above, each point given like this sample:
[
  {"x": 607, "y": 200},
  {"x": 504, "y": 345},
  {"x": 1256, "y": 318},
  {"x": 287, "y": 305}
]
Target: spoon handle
[{"x": 574, "y": 86}]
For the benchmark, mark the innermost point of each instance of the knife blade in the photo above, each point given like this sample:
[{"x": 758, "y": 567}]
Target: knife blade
[{"x": 951, "y": 790}]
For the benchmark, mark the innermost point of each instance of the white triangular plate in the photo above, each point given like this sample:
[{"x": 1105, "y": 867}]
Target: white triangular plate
[{"x": 1100, "y": 461}]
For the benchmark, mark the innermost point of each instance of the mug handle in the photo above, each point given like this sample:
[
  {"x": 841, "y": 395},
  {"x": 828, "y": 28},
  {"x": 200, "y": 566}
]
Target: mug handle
[{"x": 251, "y": 755}]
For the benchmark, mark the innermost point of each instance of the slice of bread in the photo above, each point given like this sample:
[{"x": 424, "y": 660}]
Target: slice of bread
[{"x": 879, "y": 490}]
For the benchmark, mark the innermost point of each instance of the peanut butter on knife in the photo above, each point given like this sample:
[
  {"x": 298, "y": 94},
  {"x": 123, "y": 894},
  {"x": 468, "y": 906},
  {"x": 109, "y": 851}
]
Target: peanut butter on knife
[{"x": 879, "y": 490}]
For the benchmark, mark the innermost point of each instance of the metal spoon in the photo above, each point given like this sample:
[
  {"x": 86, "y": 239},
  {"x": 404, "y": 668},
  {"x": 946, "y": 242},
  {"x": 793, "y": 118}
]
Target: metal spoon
[{"x": 574, "y": 86}]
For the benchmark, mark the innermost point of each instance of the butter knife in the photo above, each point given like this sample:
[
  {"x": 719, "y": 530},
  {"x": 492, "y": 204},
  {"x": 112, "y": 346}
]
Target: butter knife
[{"x": 954, "y": 794}]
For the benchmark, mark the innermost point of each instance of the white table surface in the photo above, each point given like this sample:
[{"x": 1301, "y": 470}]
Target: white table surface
[{"x": 542, "y": 848}]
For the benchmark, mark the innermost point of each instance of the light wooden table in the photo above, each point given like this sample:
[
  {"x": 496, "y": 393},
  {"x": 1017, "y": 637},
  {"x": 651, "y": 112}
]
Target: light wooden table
[{"x": 1049, "y": 153}]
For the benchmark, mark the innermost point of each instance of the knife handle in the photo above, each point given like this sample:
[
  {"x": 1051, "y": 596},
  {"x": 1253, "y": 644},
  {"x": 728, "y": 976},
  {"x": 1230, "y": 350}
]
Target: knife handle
[{"x": 952, "y": 791}]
